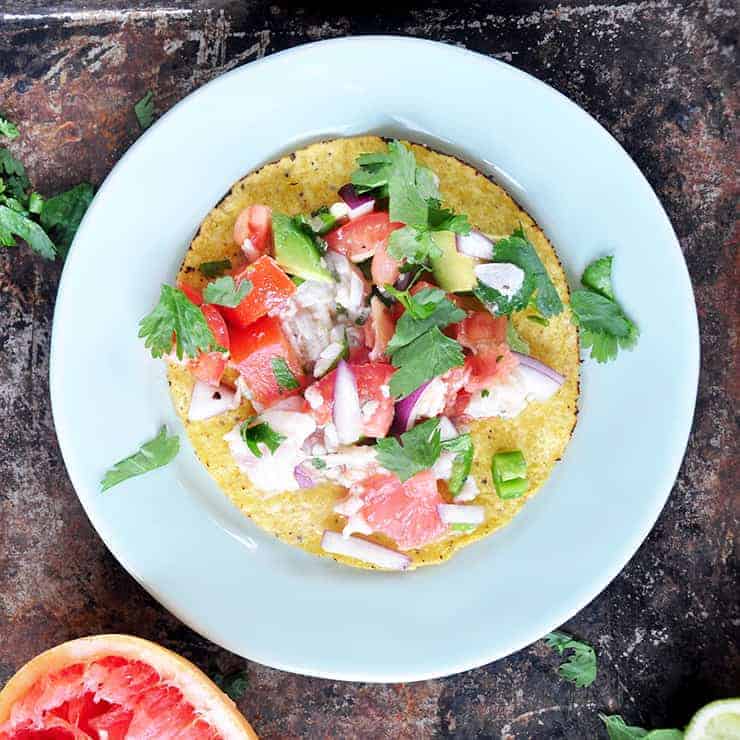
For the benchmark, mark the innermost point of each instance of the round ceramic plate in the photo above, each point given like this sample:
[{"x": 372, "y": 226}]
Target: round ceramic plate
[{"x": 179, "y": 536}]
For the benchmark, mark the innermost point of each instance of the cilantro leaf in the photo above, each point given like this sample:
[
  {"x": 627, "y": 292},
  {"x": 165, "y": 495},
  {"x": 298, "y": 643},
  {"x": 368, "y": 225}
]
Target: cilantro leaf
[
  {"x": 426, "y": 357},
  {"x": 13, "y": 223},
  {"x": 421, "y": 305},
  {"x": 518, "y": 250},
  {"x": 406, "y": 203},
  {"x": 413, "y": 246},
  {"x": 618, "y": 729},
  {"x": 604, "y": 327},
  {"x": 235, "y": 685},
  {"x": 598, "y": 277},
  {"x": 318, "y": 463},
  {"x": 260, "y": 433},
  {"x": 427, "y": 183},
  {"x": 580, "y": 668},
  {"x": 285, "y": 378},
  {"x": 35, "y": 203},
  {"x": 418, "y": 319},
  {"x": 420, "y": 450},
  {"x": 8, "y": 129},
  {"x": 14, "y": 173},
  {"x": 225, "y": 292},
  {"x": 151, "y": 455},
  {"x": 515, "y": 342},
  {"x": 215, "y": 268},
  {"x": 444, "y": 219},
  {"x": 61, "y": 214},
  {"x": 372, "y": 173},
  {"x": 176, "y": 314},
  {"x": 462, "y": 446},
  {"x": 144, "y": 110}
]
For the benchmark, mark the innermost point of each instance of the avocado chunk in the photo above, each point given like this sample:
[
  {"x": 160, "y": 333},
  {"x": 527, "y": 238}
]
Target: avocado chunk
[
  {"x": 296, "y": 252},
  {"x": 453, "y": 271}
]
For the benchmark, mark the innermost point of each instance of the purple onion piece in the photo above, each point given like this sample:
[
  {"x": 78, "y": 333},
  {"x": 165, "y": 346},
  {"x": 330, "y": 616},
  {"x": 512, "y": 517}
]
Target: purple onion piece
[
  {"x": 351, "y": 197},
  {"x": 303, "y": 479},
  {"x": 540, "y": 367},
  {"x": 405, "y": 417},
  {"x": 404, "y": 281}
]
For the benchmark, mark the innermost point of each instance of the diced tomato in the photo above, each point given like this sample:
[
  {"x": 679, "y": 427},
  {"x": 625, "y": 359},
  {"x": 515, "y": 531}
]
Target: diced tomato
[
  {"x": 455, "y": 380},
  {"x": 252, "y": 352},
  {"x": 378, "y": 328},
  {"x": 254, "y": 223},
  {"x": 405, "y": 512},
  {"x": 489, "y": 366},
  {"x": 359, "y": 354},
  {"x": 360, "y": 238},
  {"x": 370, "y": 379},
  {"x": 193, "y": 294},
  {"x": 216, "y": 324},
  {"x": 270, "y": 288},
  {"x": 385, "y": 270},
  {"x": 481, "y": 331}
]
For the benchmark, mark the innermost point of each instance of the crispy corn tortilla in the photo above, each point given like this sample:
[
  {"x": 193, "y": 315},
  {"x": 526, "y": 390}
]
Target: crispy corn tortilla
[{"x": 303, "y": 182}]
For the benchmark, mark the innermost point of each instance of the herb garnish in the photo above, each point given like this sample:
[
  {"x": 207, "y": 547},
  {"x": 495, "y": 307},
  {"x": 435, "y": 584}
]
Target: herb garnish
[
  {"x": 151, "y": 455},
  {"x": 462, "y": 446},
  {"x": 603, "y": 325},
  {"x": 580, "y": 668},
  {"x": 260, "y": 433},
  {"x": 176, "y": 314},
  {"x": 518, "y": 250},
  {"x": 21, "y": 211},
  {"x": 283, "y": 375},
  {"x": 618, "y": 729},
  {"x": 144, "y": 110},
  {"x": 515, "y": 342},
  {"x": 224, "y": 291},
  {"x": 420, "y": 450}
]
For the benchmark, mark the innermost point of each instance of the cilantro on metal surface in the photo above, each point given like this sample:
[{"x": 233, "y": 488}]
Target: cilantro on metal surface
[
  {"x": 151, "y": 455},
  {"x": 224, "y": 291},
  {"x": 174, "y": 313},
  {"x": 260, "y": 433},
  {"x": 144, "y": 110},
  {"x": 283, "y": 374},
  {"x": 426, "y": 357},
  {"x": 215, "y": 268},
  {"x": 8, "y": 129},
  {"x": 603, "y": 325},
  {"x": 15, "y": 224},
  {"x": 419, "y": 451},
  {"x": 61, "y": 214},
  {"x": 618, "y": 729},
  {"x": 580, "y": 668}
]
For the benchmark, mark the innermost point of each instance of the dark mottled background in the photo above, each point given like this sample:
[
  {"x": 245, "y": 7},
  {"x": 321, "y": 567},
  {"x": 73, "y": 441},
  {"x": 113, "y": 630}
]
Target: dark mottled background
[{"x": 660, "y": 76}]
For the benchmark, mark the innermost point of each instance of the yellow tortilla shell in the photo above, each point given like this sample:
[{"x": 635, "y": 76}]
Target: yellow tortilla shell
[{"x": 303, "y": 182}]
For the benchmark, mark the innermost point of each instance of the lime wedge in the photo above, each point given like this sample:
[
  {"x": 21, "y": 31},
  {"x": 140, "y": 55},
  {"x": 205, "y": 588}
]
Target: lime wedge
[{"x": 719, "y": 720}]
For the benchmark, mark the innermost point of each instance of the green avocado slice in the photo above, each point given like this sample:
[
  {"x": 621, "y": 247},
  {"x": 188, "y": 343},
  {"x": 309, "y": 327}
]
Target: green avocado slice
[
  {"x": 295, "y": 251},
  {"x": 453, "y": 271}
]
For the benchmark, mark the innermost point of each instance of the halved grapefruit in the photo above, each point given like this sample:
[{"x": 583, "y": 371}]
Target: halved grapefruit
[{"x": 115, "y": 687}]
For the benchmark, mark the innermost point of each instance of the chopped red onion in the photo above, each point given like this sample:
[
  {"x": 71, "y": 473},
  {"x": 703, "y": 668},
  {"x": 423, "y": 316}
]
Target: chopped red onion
[
  {"x": 460, "y": 514},
  {"x": 404, "y": 281},
  {"x": 207, "y": 401},
  {"x": 542, "y": 381},
  {"x": 351, "y": 197},
  {"x": 405, "y": 415},
  {"x": 369, "y": 552},
  {"x": 347, "y": 412},
  {"x": 474, "y": 244},
  {"x": 302, "y": 478}
]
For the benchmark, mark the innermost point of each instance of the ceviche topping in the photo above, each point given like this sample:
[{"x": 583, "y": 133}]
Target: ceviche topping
[{"x": 367, "y": 337}]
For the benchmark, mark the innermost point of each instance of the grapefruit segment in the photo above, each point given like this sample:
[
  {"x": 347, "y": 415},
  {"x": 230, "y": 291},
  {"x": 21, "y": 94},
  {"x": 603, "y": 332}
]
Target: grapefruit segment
[{"x": 113, "y": 687}]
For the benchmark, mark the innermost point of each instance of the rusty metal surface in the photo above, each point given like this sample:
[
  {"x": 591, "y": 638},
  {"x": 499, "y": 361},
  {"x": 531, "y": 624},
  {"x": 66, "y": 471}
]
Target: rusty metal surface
[{"x": 659, "y": 75}]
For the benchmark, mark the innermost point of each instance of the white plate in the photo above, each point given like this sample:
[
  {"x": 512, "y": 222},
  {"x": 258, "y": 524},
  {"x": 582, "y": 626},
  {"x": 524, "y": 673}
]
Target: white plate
[{"x": 180, "y": 537}]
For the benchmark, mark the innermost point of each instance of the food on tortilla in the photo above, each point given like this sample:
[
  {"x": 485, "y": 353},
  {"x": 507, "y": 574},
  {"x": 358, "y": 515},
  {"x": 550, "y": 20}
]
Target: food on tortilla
[{"x": 382, "y": 376}]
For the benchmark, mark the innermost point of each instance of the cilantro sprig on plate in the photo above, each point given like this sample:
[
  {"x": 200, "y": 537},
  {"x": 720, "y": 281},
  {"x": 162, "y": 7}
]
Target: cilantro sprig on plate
[
  {"x": 175, "y": 315},
  {"x": 537, "y": 287},
  {"x": 580, "y": 668},
  {"x": 150, "y": 456},
  {"x": 418, "y": 349},
  {"x": 47, "y": 226},
  {"x": 604, "y": 327},
  {"x": 413, "y": 199}
]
